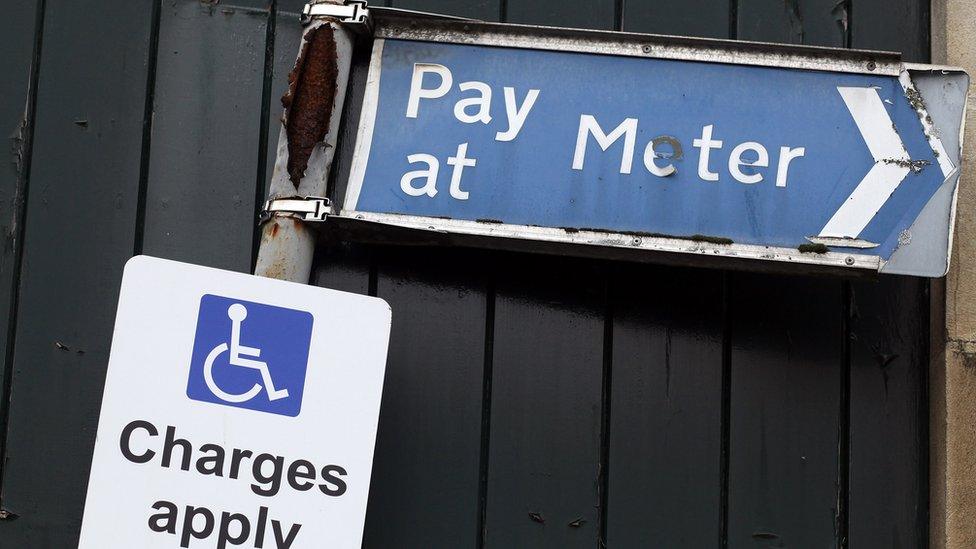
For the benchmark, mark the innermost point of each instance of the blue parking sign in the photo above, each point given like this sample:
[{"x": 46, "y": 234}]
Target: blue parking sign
[
  {"x": 739, "y": 158},
  {"x": 250, "y": 355}
]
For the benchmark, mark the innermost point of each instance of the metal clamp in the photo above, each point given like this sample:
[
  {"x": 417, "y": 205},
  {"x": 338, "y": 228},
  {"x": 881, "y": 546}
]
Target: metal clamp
[
  {"x": 354, "y": 13},
  {"x": 307, "y": 208}
]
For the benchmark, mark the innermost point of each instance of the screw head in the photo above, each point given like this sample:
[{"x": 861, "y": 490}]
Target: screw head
[
  {"x": 647, "y": 49},
  {"x": 637, "y": 241},
  {"x": 849, "y": 260},
  {"x": 872, "y": 65}
]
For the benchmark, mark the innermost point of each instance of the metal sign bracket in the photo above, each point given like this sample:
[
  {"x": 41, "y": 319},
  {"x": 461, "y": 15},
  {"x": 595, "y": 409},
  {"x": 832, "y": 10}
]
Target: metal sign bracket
[
  {"x": 354, "y": 13},
  {"x": 306, "y": 208}
]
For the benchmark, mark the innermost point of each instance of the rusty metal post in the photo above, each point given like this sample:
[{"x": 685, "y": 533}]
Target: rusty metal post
[{"x": 306, "y": 144}]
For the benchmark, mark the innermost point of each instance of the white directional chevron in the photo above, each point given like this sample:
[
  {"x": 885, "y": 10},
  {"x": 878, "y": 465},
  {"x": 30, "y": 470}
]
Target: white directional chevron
[{"x": 891, "y": 164}]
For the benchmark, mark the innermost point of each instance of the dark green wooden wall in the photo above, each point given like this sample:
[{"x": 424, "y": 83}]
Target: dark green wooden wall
[{"x": 530, "y": 401}]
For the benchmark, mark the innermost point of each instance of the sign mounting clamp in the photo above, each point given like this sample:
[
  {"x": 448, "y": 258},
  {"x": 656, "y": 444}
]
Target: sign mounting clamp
[
  {"x": 350, "y": 12},
  {"x": 306, "y": 208}
]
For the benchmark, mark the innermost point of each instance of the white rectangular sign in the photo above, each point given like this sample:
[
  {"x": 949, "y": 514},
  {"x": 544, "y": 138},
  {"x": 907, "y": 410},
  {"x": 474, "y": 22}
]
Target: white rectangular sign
[{"x": 238, "y": 411}]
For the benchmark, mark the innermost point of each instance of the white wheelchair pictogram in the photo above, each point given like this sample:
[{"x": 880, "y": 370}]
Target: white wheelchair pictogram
[{"x": 242, "y": 356}]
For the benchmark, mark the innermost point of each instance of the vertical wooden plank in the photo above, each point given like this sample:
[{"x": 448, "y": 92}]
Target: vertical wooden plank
[
  {"x": 544, "y": 455},
  {"x": 707, "y": 18},
  {"x": 79, "y": 231},
  {"x": 18, "y": 38},
  {"x": 341, "y": 266},
  {"x": 485, "y": 10},
  {"x": 787, "y": 363},
  {"x": 889, "y": 351},
  {"x": 814, "y": 22},
  {"x": 893, "y": 25},
  {"x": 287, "y": 41},
  {"x": 889, "y": 443},
  {"x": 665, "y": 434},
  {"x": 206, "y": 132},
  {"x": 424, "y": 491},
  {"x": 582, "y": 14}
]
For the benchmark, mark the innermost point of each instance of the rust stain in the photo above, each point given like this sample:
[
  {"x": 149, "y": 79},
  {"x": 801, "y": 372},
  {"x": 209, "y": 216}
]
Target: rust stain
[
  {"x": 310, "y": 98},
  {"x": 281, "y": 230}
]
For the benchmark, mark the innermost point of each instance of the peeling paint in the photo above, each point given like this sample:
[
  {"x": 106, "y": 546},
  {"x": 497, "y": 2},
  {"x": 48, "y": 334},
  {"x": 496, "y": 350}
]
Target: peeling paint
[
  {"x": 310, "y": 99},
  {"x": 840, "y": 13},
  {"x": 917, "y": 102},
  {"x": 676, "y": 154},
  {"x": 915, "y": 99},
  {"x": 796, "y": 20},
  {"x": 904, "y": 238},
  {"x": 884, "y": 360},
  {"x": 17, "y": 143},
  {"x": 915, "y": 165},
  {"x": 209, "y": 5},
  {"x": 695, "y": 237}
]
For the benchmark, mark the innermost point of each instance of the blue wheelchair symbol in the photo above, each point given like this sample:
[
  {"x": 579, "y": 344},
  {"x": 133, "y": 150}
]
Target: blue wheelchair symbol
[{"x": 250, "y": 355}]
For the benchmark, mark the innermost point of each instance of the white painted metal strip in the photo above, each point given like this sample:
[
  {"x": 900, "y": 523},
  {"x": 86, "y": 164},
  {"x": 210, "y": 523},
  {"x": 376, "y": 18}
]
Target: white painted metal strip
[
  {"x": 364, "y": 138},
  {"x": 619, "y": 240},
  {"x": 945, "y": 163}
]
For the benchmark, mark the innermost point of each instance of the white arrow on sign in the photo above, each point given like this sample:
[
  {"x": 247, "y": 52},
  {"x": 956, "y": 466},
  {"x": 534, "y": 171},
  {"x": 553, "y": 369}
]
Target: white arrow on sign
[{"x": 891, "y": 165}]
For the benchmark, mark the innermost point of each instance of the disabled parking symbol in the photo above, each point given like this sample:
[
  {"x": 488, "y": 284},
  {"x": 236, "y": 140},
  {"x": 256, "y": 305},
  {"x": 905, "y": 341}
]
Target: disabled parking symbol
[{"x": 250, "y": 355}]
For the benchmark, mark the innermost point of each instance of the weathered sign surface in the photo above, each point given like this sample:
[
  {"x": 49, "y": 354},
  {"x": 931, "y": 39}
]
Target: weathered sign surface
[
  {"x": 849, "y": 168},
  {"x": 238, "y": 411}
]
